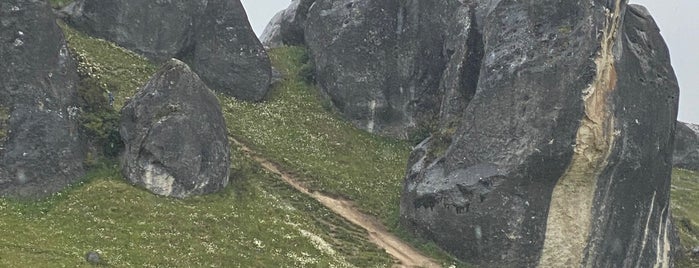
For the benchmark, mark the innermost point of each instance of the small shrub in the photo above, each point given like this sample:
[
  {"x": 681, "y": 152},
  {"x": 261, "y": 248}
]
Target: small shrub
[
  {"x": 307, "y": 70},
  {"x": 421, "y": 132},
  {"x": 102, "y": 127}
]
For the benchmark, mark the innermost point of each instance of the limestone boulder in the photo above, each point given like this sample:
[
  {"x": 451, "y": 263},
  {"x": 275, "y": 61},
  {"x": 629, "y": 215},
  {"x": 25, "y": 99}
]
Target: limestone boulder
[
  {"x": 562, "y": 157},
  {"x": 686, "y": 154},
  {"x": 227, "y": 54},
  {"x": 40, "y": 147},
  {"x": 175, "y": 135},
  {"x": 158, "y": 30},
  {"x": 271, "y": 36},
  {"x": 287, "y": 27},
  {"x": 214, "y": 37},
  {"x": 386, "y": 64}
]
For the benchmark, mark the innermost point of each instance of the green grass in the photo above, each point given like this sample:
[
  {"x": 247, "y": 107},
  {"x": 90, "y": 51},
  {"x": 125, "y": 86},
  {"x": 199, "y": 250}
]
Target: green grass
[
  {"x": 104, "y": 66},
  {"x": 685, "y": 211},
  {"x": 258, "y": 221}
]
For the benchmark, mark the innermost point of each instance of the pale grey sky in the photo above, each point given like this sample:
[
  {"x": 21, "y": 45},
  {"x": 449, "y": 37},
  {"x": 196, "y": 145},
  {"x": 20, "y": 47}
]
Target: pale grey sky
[{"x": 676, "y": 19}]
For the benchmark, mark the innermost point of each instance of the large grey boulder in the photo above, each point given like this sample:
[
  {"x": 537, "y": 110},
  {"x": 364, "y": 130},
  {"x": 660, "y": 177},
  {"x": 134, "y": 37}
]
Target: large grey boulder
[
  {"x": 382, "y": 63},
  {"x": 213, "y": 36},
  {"x": 686, "y": 154},
  {"x": 563, "y": 156},
  {"x": 158, "y": 30},
  {"x": 40, "y": 149},
  {"x": 227, "y": 54},
  {"x": 175, "y": 135},
  {"x": 271, "y": 36},
  {"x": 287, "y": 26}
]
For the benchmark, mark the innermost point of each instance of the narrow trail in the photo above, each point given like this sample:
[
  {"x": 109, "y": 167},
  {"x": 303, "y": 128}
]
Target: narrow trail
[{"x": 406, "y": 255}]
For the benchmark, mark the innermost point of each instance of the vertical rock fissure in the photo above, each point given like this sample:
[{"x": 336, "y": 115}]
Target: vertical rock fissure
[
  {"x": 472, "y": 65},
  {"x": 569, "y": 221}
]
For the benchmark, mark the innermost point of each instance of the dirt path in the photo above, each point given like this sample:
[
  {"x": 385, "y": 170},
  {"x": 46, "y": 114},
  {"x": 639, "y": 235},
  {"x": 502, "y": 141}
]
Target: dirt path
[{"x": 406, "y": 255}]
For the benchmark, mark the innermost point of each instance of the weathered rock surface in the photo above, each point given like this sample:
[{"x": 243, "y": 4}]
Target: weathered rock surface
[
  {"x": 386, "y": 64},
  {"x": 287, "y": 26},
  {"x": 213, "y": 36},
  {"x": 41, "y": 152},
  {"x": 227, "y": 55},
  {"x": 686, "y": 154},
  {"x": 175, "y": 135},
  {"x": 271, "y": 37},
  {"x": 563, "y": 155}
]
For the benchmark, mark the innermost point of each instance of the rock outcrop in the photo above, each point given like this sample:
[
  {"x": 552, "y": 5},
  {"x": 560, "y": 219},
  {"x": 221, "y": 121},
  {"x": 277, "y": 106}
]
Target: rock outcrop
[
  {"x": 213, "y": 36},
  {"x": 287, "y": 26},
  {"x": 175, "y": 135},
  {"x": 40, "y": 149},
  {"x": 386, "y": 65},
  {"x": 563, "y": 155},
  {"x": 686, "y": 154}
]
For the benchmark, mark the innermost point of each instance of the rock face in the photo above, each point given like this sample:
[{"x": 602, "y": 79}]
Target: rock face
[
  {"x": 213, "y": 36},
  {"x": 228, "y": 55},
  {"x": 686, "y": 154},
  {"x": 175, "y": 135},
  {"x": 287, "y": 26},
  {"x": 40, "y": 149},
  {"x": 562, "y": 157},
  {"x": 387, "y": 65}
]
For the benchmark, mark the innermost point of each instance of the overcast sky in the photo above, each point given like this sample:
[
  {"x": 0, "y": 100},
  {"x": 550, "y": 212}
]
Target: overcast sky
[{"x": 676, "y": 19}]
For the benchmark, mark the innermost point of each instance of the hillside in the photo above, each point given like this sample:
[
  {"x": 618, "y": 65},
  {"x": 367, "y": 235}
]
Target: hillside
[
  {"x": 259, "y": 220},
  {"x": 268, "y": 221}
]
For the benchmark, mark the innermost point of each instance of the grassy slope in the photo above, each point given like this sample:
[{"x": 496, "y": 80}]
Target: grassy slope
[
  {"x": 685, "y": 209},
  {"x": 292, "y": 128},
  {"x": 257, "y": 222}
]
